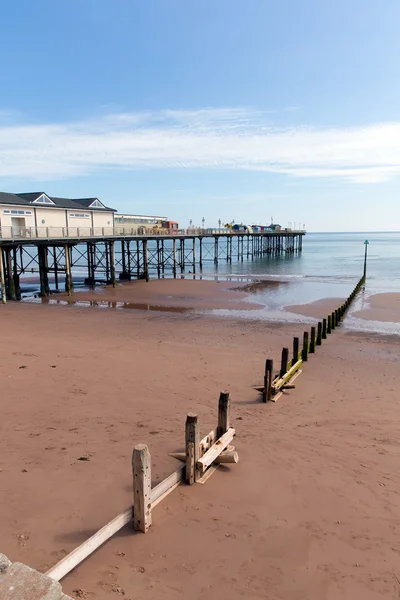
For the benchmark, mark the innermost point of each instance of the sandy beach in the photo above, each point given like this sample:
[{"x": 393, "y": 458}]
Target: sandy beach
[
  {"x": 381, "y": 307},
  {"x": 311, "y": 509}
]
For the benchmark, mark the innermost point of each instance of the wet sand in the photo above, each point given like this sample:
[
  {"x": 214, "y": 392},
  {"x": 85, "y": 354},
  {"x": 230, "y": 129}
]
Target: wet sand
[
  {"x": 381, "y": 307},
  {"x": 318, "y": 309},
  {"x": 310, "y": 511},
  {"x": 181, "y": 293}
]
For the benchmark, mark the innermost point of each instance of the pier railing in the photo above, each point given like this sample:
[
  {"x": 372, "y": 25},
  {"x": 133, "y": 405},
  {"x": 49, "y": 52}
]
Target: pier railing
[{"x": 48, "y": 233}]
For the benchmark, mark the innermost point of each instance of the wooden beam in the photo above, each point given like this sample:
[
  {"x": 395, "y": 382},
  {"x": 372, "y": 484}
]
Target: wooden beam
[
  {"x": 215, "y": 450},
  {"x": 285, "y": 379},
  {"x": 74, "y": 558},
  {"x": 207, "y": 441},
  {"x": 141, "y": 467},
  {"x": 165, "y": 487},
  {"x": 226, "y": 457}
]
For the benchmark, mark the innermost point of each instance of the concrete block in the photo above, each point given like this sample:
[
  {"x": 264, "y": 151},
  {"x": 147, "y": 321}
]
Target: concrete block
[
  {"x": 4, "y": 564},
  {"x": 23, "y": 583}
]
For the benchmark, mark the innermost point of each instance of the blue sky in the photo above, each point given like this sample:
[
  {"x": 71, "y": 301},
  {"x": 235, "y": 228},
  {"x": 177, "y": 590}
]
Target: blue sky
[{"x": 225, "y": 109}]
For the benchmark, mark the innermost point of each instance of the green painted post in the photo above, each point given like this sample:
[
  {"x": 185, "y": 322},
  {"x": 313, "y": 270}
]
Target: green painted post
[
  {"x": 312, "y": 341},
  {"x": 319, "y": 334},
  {"x": 305, "y": 346}
]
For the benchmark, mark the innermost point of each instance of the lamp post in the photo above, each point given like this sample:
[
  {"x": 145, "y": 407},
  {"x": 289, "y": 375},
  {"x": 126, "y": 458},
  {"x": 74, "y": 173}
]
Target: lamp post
[
  {"x": 190, "y": 224},
  {"x": 219, "y": 223},
  {"x": 203, "y": 221},
  {"x": 365, "y": 258}
]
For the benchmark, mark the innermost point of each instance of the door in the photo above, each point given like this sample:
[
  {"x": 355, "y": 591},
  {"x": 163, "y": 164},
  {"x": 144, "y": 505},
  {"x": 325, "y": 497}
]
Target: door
[{"x": 18, "y": 226}]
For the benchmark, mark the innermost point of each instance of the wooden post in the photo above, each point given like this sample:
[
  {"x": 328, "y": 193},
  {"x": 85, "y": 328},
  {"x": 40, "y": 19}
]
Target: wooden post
[
  {"x": 305, "y": 346},
  {"x": 141, "y": 467},
  {"x": 223, "y": 414},
  {"x": 2, "y": 279},
  {"x": 192, "y": 448},
  {"x": 269, "y": 367},
  {"x": 333, "y": 320},
  {"x": 312, "y": 341},
  {"x": 319, "y": 334},
  {"x": 68, "y": 273},
  {"x": 324, "y": 329},
  {"x": 295, "y": 350},
  {"x": 284, "y": 361}
]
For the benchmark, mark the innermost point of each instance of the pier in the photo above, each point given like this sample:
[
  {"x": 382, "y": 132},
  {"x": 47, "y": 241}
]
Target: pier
[{"x": 106, "y": 255}]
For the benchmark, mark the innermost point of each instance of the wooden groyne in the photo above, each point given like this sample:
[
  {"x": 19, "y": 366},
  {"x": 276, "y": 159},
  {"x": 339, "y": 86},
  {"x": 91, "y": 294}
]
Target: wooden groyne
[
  {"x": 274, "y": 383},
  {"x": 105, "y": 260}
]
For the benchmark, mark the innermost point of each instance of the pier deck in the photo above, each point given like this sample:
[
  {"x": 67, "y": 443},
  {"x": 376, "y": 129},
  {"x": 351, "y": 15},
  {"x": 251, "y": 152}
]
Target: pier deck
[{"x": 105, "y": 254}]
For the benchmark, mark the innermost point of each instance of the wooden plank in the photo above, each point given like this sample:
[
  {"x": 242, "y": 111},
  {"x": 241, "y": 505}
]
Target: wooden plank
[
  {"x": 286, "y": 378},
  {"x": 223, "y": 414},
  {"x": 207, "y": 441},
  {"x": 78, "y": 555},
  {"x": 74, "y": 558},
  {"x": 192, "y": 436},
  {"x": 226, "y": 457},
  {"x": 166, "y": 486},
  {"x": 141, "y": 467},
  {"x": 208, "y": 474},
  {"x": 215, "y": 450}
]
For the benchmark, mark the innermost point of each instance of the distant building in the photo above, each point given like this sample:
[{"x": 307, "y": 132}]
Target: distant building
[{"x": 20, "y": 214}]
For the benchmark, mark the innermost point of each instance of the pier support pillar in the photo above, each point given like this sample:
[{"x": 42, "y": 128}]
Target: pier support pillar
[
  {"x": 146, "y": 259},
  {"x": 174, "y": 256},
  {"x": 2, "y": 279},
  {"x": 68, "y": 273},
  {"x": 113, "y": 279}
]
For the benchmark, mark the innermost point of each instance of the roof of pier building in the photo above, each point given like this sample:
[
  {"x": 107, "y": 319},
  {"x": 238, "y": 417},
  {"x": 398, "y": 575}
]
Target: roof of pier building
[{"x": 43, "y": 200}]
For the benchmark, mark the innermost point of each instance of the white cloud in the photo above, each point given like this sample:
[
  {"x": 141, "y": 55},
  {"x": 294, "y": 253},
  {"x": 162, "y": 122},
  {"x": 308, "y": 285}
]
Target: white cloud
[{"x": 230, "y": 138}]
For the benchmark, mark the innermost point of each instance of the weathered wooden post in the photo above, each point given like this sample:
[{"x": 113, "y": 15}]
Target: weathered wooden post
[
  {"x": 284, "y": 361},
  {"x": 2, "y": 279},
  {"x": 333, "y": 320},
  {"x": 305, "y": 346},
  {"x": 269, "y": 366},
  {"x": 141, "y": 467},
  {"x": 312, "y": 341},
  {"x": 319, "y": 334},
  {"x": 192, "y": 436},
  {"x": 295, "y": 350},
  {"x": 329, "y": 329},
  {"x": 223, "y": 414},
  {"x": 324, "y": 336}
]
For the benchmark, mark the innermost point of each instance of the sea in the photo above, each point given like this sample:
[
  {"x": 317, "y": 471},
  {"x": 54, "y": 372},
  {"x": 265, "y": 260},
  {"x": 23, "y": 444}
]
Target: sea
[{"x": 328, "y": 267}]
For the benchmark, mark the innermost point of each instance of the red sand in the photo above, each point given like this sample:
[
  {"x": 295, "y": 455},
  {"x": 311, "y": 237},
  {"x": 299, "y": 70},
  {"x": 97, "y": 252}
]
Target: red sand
[
  {"x": 381, "y": 307},
  {"x": 318, "y": 309},
  {"x": 310, "y": 511}
]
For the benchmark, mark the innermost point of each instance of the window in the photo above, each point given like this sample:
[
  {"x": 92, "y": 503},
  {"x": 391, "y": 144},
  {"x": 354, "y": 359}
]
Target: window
[
  {"x": 43, "y": 199},
  {"x": 96, "y": 204},
  {"x": 78, "y": 215},
  {"x": 6, "y": 211}
]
